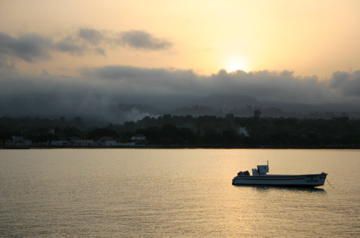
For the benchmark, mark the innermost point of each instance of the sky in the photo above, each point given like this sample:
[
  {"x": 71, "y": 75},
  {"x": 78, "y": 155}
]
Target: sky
[{"x": 82, "y": 53}]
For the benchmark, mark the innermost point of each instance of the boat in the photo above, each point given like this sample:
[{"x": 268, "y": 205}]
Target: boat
[{"x": 260, "y": 177}]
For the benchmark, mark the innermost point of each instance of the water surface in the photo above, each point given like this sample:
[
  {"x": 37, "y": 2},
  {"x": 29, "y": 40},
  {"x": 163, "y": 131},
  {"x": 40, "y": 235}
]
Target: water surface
[{"x": 174, "y": 193}]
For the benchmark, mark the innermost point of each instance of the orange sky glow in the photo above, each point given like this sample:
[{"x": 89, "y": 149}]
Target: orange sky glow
[{"x": 307, "y": 37}]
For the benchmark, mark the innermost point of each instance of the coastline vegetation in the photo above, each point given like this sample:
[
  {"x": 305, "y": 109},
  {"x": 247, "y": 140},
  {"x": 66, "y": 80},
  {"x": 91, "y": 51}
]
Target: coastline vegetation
[{"x": 188, "y": 131}]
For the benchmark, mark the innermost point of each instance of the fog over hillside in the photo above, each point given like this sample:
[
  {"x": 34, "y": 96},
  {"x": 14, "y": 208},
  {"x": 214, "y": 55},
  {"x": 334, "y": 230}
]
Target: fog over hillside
[{"x": 118, "y": 93}]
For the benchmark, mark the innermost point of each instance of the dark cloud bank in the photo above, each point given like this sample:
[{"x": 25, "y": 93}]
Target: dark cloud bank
[{"x": 118, "y": 93}]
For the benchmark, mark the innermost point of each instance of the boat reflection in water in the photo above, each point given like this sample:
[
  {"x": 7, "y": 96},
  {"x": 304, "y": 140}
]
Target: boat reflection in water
[{"x": 260, "y": 177}]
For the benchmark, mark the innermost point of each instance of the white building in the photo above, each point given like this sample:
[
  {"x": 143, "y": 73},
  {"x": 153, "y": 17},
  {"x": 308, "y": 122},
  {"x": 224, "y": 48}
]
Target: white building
[
  {"x": 59, "y": 143},
  {"x": 108, "y": 142},
  {"x": 242, "y": 131},
  {"x": 138, "y": 139}
]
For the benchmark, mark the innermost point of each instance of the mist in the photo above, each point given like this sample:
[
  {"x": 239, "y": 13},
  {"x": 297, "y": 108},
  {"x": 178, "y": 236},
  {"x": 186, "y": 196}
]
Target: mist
[{"x": 120, "y": 93}]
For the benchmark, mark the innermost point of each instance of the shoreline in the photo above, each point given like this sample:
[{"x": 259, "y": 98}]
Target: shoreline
[{"x": 182, "y": 147}]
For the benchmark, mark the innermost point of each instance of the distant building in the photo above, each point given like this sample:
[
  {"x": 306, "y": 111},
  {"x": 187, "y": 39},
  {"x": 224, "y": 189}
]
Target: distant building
[
  {"x": 111, "y": 143},
  {"x": 81, "y": 142},
  {"x": 108, "y": 142},
  {"x": 18, "y": 141},
  {"x": 138, "y": 139},
  {"x": 242, "y": 131},
  {"x": 59, "y": 143},
  {"x": 257, "y": 114}
]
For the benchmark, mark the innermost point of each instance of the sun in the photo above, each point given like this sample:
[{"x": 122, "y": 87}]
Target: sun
[{"x": 236, "y": 63}]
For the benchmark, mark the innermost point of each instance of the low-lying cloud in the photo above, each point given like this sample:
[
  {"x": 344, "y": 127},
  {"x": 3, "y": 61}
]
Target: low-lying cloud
[
  {"x": 347, "y": 83},
  {"x": 117, "y": 93}
]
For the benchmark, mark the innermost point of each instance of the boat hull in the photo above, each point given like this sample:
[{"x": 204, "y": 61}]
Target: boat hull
[{"x": 306, "y": 180}]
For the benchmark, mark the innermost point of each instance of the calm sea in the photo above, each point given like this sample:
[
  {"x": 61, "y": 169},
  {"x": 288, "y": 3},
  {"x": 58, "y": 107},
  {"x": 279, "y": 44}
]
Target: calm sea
[{"x": 174, "y": 193}]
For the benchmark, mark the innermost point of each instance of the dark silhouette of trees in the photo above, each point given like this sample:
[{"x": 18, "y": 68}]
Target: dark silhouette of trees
[{"x": 208, "y": 131}]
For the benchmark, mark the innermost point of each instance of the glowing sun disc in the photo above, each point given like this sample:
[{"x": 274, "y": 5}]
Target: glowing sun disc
[{"x": 235, "y": 64}]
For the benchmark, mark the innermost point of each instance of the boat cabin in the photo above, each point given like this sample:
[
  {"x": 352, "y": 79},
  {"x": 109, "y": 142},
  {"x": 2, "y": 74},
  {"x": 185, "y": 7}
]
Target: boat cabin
[{"x": 260, "y": 170}]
